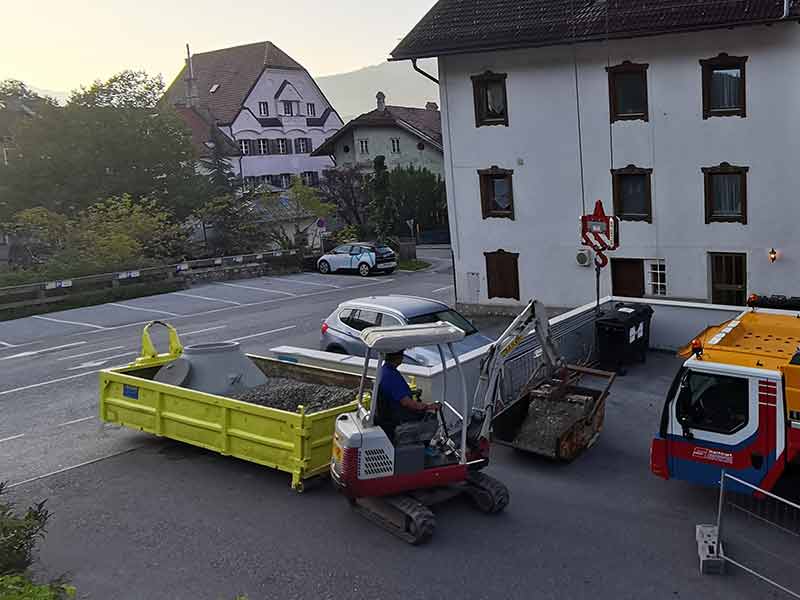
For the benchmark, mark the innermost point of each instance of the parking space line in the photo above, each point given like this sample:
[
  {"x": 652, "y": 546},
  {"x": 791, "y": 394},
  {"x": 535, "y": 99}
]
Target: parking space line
[
  {"x": 150, "y": 310},
  {"x": 42, "y": 351},
  {"x": 247, "y": 337},
  {"x": 206, "y": 298},
  {"x": 441, "y": 289},
  {"x": 65, "y": 322},
  {"x": 90, "y": 353},
  {"x": 13, "y": 437},
  {"x": 101, "y": 361},
  {"x": 75, "y": 421},
  {"x": 6, "y": 344},
  {"x": 78, "y": 466},
  {"x": 252, "y": 287},
  {"x": 185, "y": 333},
  {"x": 303, "y": 282},
  {"x": 48, "y": 382}
]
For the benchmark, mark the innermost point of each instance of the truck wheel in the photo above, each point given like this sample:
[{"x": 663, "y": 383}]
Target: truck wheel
[
  {"x": 324, "y": 267},
  {"x": 364, "y": 270}
]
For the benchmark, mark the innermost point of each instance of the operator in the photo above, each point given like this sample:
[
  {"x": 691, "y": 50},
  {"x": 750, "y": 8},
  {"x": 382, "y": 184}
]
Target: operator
[{"x": 396, "y": 400}]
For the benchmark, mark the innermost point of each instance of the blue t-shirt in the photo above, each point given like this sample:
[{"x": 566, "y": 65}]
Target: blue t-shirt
[{"x": 392, "y": 385}]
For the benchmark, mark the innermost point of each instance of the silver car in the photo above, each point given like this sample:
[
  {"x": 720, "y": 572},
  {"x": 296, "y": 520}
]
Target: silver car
[
  {"x": 363, "y": 258},
  {"x": 340, "y": 331}
]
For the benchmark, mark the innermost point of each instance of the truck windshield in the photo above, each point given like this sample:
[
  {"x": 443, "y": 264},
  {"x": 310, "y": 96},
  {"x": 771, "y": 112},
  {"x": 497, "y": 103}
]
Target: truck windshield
[
  {"x": 712, "y": 402},
  {"x": 448, "y": 316}
]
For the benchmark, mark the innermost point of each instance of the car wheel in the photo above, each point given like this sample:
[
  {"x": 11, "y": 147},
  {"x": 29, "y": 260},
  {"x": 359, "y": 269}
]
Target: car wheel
[
  {"x": 364, "y": 270},
  {"x": 324, "y": 267}
]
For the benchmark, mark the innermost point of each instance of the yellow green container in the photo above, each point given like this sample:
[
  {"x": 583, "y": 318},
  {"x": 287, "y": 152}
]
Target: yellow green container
[{"x": 298, "y": 443}]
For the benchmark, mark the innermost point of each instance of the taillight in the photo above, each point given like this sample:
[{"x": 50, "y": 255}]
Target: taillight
[{"x": 324, "y": 328}]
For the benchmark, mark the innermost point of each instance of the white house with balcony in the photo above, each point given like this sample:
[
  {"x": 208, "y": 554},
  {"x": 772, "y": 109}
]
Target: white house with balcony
[
  {"x": 681, "y": 117},
  {"x": 268, "y": 112}
]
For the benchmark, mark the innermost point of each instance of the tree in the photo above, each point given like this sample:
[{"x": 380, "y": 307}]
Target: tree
[
  {"x": 419, "y": 195},
  {"x": 218, "y": 170},
  {"x": 235, "y": 226},
  {"x": 127, "y": 89},
  {"x": 383, "y": 211},
  {"x": 306, "y": 203},
  {"x": 73, "y": 157},
  {"x": 346, "y": 190}
]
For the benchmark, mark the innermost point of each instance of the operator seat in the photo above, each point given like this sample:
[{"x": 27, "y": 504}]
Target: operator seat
[{"x": 402, "y": 426}]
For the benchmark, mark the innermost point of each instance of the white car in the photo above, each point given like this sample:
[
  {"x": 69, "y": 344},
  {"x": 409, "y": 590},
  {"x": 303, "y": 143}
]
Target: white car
[{"x": 363, "y": 258}]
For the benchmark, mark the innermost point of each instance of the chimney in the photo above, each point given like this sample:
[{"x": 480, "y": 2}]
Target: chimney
[
  {"x": 381, "y": 97},
  {"x": 431, "y": 106},
  {"x": 192, "y": 97}
]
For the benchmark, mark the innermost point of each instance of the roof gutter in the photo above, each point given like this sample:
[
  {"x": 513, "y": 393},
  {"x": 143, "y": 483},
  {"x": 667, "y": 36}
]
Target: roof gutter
[{"x": 428, "y": 75}]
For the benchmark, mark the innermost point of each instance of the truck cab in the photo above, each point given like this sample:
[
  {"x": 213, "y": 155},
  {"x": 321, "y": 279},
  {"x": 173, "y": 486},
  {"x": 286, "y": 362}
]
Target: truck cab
[{"x": 734, "y": 404}]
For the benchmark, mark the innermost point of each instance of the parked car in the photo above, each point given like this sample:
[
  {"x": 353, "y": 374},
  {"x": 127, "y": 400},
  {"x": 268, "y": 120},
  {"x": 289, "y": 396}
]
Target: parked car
[
  {"x": 340, "y": 331},
  {"x": 363, "y": 258}
]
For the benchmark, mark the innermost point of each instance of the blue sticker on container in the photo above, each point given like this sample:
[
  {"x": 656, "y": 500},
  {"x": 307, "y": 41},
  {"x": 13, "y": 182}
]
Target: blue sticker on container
[{"x": 130, "y": 391}]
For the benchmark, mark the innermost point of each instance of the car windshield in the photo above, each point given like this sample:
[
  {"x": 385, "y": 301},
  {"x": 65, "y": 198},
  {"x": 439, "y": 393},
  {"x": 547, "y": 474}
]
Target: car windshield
[
  {"x": 448, "y": 316},
  {"x": 384, "y": 250}
]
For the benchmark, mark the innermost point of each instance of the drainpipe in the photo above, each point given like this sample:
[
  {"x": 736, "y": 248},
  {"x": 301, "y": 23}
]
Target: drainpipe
[{"x": 423, "y": 73}]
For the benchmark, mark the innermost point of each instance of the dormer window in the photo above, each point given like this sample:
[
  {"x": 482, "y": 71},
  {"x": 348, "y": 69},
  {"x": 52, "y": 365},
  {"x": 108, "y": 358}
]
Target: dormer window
[
  {"x": 263, "y": 109},
  {"x": 288, "y": 108},
  {"x": 311, "y": 110}
]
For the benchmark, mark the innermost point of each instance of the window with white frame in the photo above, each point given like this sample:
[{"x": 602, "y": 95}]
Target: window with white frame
[
  {"x": 656, "y": 277},
  {"x": 303, "y": 147},
  {"x": 288, "y": 108},
  {"x": 263, "y": 109},
  {"x": 244, "y": 146},
  {"x": 263, "y": 146},
  {"x": 311, "y": 110},
  {"x": 283, "y": 147},
  {"x": 285, "y": 180},
  {"x": 364, "y": 146},
  {"x": 310, "y": 178},
  {"x": 395, "y": 145}
]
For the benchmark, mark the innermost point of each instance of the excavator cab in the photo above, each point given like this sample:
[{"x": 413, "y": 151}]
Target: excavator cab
[{"x": 392, "y": 474}]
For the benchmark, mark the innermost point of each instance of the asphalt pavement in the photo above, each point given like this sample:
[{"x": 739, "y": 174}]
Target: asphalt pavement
[{"x": 136, "y": 517}]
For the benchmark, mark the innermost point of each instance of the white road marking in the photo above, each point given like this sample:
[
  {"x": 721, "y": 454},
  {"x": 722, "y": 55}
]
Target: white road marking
[
  {"x": 247, "y": 337},
  {"x": 48, "y": 382},
  {"x": 90, "y": 353},
  {"x": 65, "y": 469},
  {"x": 150, "y": 310},
  {"x": 185, "y": 333},
  {"x": 100, "y": 362},
  {"x": 6, "y": 344},
  {"x": 441, "y": 289},
  {"x": 13, "y": 437},
  {"x": 252, "y": 287},
  {"x": 42, "y": 351},
  {"x": 302, "y": 282},
  {"x": 247, "y": 305},
  {"x": 75, "y": 421},
  {"x": 205, "y": 298},
  {"x": 63, "y": 321}
]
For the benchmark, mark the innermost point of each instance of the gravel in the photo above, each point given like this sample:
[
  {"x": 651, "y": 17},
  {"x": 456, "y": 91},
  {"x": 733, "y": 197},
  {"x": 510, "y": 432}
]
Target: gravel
[{"x": 289, "y": 394}]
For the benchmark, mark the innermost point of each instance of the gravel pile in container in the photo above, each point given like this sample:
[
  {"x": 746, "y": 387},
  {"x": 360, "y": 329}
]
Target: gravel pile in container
[
  {"x": 548, "y": 419},
  {"x": 288, "y": 394}
]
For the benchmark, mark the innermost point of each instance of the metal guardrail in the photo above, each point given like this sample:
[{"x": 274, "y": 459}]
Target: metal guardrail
[{"x": 47, "y": 292}]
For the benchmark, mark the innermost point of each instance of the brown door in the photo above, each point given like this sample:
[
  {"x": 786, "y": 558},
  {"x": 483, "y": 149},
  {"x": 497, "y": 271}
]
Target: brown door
[
  {"x": 502, "y": 274},
  {"x": 729, "y": 279},
  {"x": 627, "y": 277}
]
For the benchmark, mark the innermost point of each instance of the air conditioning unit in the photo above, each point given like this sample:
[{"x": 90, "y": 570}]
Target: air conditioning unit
[{"x": 584, "y": 257}]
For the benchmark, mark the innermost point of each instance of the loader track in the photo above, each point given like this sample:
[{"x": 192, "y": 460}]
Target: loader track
[
  {"x": 489, "y": 495},
  {"x": 420, "y": 522}
]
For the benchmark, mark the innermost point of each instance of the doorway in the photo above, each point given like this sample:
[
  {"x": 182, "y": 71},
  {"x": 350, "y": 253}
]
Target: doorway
[
  {"x": 627, "y": 277},
  {"x": 728, "y": 278}
]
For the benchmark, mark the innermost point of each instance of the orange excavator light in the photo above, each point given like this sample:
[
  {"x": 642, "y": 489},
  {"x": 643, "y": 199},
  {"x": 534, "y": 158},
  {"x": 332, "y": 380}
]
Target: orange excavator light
[
  {"x": 752, "y": 299},
  {"x": 697, "y": 347}
]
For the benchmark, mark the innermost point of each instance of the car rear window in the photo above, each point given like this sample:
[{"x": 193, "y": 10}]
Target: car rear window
[{"x": 448, "y": 316}]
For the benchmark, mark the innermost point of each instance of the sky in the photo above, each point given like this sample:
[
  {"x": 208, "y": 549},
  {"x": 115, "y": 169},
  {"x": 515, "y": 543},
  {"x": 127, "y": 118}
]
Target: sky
[{"x": 59, "y": 46}]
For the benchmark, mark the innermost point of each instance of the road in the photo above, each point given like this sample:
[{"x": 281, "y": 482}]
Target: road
[{"x": 137, "y": 517}]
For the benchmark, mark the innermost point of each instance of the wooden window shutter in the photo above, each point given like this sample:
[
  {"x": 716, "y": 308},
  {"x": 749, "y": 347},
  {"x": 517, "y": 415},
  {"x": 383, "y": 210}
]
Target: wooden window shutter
[
  {"x": 297, "y": 146},
  {"x": 502, "y": 274},
  {"x": 289, "y": 148},
  {"x": 273, "y": 146},
  {"x": 309, "y": 145}
]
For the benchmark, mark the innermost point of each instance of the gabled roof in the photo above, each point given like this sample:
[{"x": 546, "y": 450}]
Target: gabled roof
[
  {"x": 424, "y": 123},
  {"x": 200, "y": 130},
  {"x": 464, "y": 26},
  {"x": 235, "y": 70}
]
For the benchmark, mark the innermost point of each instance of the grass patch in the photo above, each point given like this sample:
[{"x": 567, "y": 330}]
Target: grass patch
[{"x": 412, "y": 265}]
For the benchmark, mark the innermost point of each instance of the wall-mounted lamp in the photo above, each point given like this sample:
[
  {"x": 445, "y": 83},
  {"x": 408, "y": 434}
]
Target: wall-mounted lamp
[{"x": 773, "y": 255}]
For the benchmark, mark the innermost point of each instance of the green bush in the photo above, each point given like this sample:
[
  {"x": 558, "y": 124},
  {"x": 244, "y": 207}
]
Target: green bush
[
  {"x": 19, "y": 534},
  {"x": 20, "y": 587}
]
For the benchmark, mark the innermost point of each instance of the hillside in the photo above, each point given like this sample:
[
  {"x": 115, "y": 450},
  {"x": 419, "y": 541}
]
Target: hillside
[{"x": 353, "y": 93}]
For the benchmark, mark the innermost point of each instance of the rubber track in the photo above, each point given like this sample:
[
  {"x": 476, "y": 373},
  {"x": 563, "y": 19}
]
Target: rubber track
[
  {"x": 498, "y": 490},
  {"x": 416, "y": 511}
]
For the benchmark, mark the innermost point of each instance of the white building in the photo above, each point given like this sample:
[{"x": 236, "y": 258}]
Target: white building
[
  {"x": 269, "y": 109},
  {"x": 682, "y": 117},
  {"x": 404, "y": 136}
]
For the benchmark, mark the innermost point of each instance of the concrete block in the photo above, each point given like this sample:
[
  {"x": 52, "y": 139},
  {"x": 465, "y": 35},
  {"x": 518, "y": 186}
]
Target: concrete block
[{"x": 709, "y": 550}]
